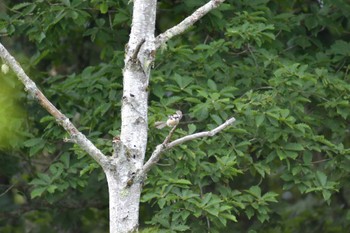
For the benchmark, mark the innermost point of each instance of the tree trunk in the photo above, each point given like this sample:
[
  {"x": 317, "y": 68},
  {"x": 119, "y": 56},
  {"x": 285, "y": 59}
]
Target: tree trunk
[
  {"x": 130, "y": 147},
  {"x": 123, "y": 204}
]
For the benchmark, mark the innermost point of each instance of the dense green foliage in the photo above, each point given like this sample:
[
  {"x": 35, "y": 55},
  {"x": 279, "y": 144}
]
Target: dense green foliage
[{"x": 280, "y": 67}]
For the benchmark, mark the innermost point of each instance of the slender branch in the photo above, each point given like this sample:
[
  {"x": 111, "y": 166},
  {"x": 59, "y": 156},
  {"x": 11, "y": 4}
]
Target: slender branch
[
  {"x": 167, "y": 139},
  {"x": 186, "y": 23},
  {"x": 201, "y": 134},
  {"x": 166, "y": 146},
  {"x": 62, "y": 120},
  {"x": 8, "y": 189}
]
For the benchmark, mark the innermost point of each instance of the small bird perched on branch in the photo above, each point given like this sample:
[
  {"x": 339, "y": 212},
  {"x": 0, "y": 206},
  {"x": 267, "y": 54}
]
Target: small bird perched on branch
[{"x": 171, "y": 122}]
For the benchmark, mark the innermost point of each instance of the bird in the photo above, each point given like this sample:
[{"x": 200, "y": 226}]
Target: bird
[{"x": 172, "y": 120}]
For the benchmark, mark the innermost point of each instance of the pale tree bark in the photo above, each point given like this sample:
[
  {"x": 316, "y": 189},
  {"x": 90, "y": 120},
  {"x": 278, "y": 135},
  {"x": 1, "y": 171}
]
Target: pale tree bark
[
  {"x": 130, "y": 148},
  {"x": 125, "y": 170}
]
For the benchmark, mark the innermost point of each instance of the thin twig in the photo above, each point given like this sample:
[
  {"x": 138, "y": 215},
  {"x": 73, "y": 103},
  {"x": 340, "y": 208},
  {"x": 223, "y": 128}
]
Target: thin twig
[
  {"x": 201, "y": 134},
  {"x": 167, "y": 139},
  {"x": 321, "y": 161},
  {"x": 251, "y": 52},
  {"x": 8, "y": 189},
  {"x": 186, "y": 23},
  {"x": 166, "y": 146},
  {"x": 61, "y": 119}
]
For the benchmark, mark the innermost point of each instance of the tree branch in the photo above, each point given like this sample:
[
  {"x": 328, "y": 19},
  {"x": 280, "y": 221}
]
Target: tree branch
[
  {"x": 8, "y": 189},
  {"x": 166, "y": 146},
  {"x": 186, "y": 23},
  {"x": 201, "y": 134},
  {"x": 167, "y": 139},
  {"x": 62, "y": 120}
]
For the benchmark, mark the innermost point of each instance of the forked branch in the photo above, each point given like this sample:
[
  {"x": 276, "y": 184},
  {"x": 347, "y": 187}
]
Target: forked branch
[
  {"x": 186, "y": 23},
  {"x": 33, "y": 90},
  {"x": 166, "y": 145}
]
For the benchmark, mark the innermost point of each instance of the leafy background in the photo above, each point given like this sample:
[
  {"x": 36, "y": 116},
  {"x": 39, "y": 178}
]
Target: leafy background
[{"x": 280, "y": 67}]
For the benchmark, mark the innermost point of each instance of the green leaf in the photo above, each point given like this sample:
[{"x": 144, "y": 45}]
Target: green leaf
[
  {"x": 21, "y": 5},
  {"x": 212, "y": 211},
  {"x": 270, "y": 197},
  {"x": 102, "y": 109},
  {"x": 40, "y": 36},
  {"x": 44, "y": 177},
  {"x": 311, "y": 22},
  {"x": 36, "y": 148},
  {"x": 262, "y": 169},
  {"x": 229, "y": 216},
  {"x": 104, "y": 8},
  {"x": 65, "y": 158},
  {"x": 121, "y": 17},
  {"x": 161, "y": 203},
  {"x": 255, "y": 190},
  {"x": 180, "y": 228},
  {"x": 182, "y": 81},
  {"x": 90, "y": 168},
  {"x": 281, "y": 154},
  {"x": 259, "y": 119},
  {"x": 29, "y": 9},
  {"x": 294, "y": 147},
  {"x": 37, "y": 192},
  {"x": 217, "y": 119},
  {"x": 249, "y": 212},
  {"x": 51, "y": 188},
  {"x": 170, "y": 101},
  {"x": 66, "y": 2},
  {"x": 191, "y": 128},
  {"x": 56, "y": 170},
  {"x": 206, "y": 199},
  {"x": 47, "y": 118},
  {"x": 321, "y": 178},
  {"x": 223, "y": 221},
  {"x": 201, "y": 111},
  {"x": 158, "y": 90},
  {"x": 148, "y": 197},
  {"x": 38, "y": 182},
  {"x": 290, "y": 154},
  {"x": 307, "y": 157},
  {"x": 326, "y": 194},
  {"x": 59, "y": 16},
  {"x": 212, "y": 85},
  {"x": 32, "y": 142},
  {"x": 341, "y": 47},
  {"x": 180, "y": 181}
]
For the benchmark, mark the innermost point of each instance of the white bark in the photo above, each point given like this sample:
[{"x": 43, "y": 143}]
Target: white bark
[
  {"x": 124, "y": 203},
  {"x": 130, "y": 149}
]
